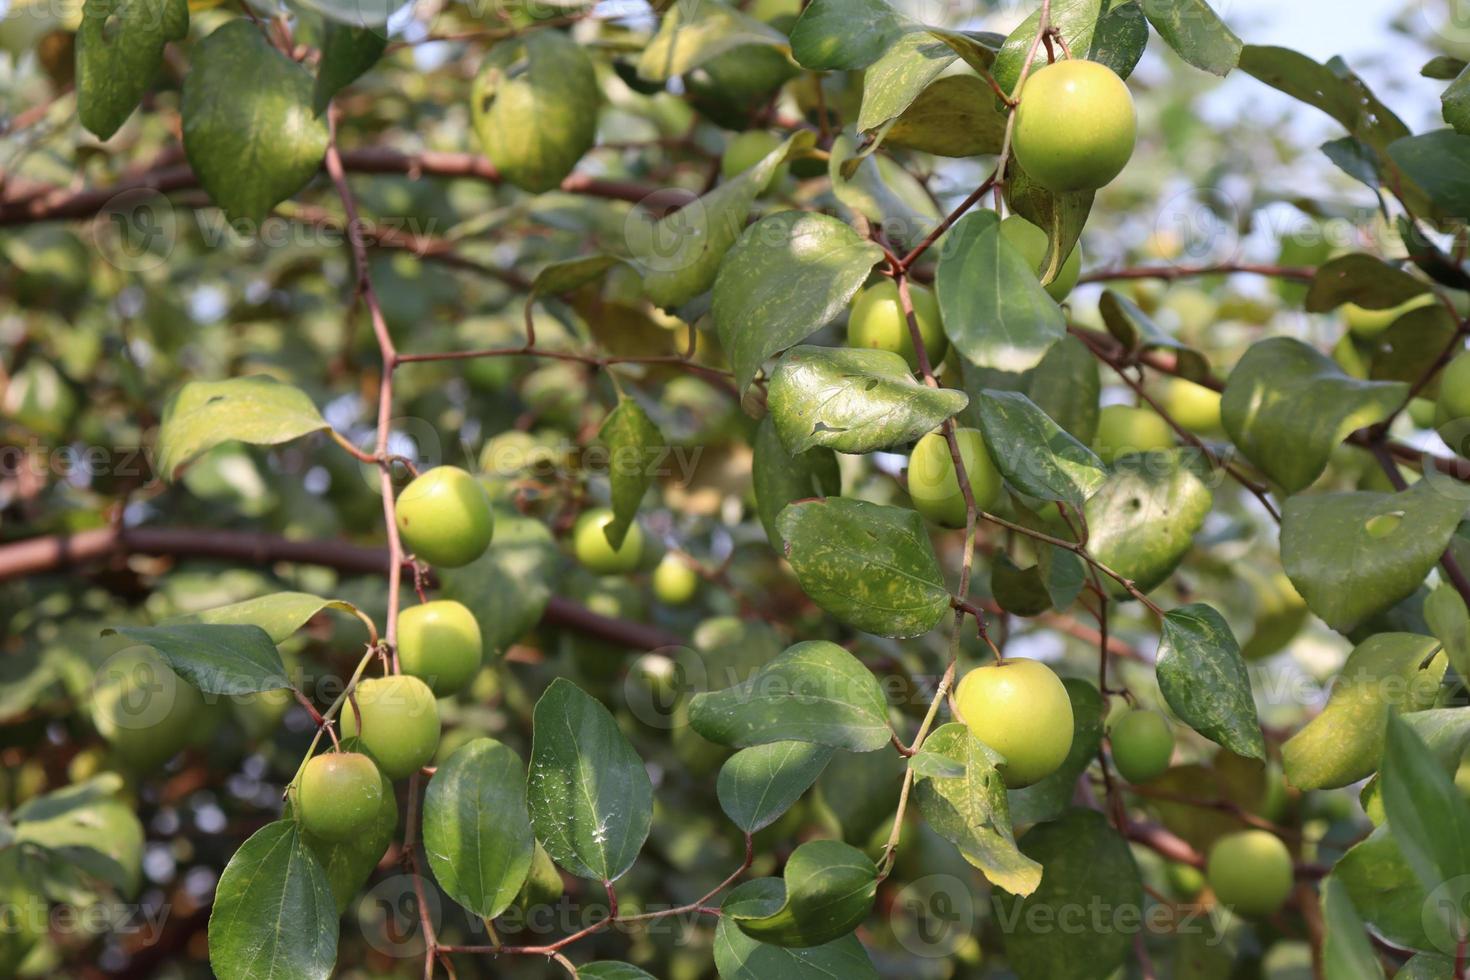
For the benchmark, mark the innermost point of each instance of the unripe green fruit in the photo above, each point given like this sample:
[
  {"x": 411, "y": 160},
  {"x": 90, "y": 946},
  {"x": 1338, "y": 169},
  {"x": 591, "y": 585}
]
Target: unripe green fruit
[
  {"x": 1193, "y": 406},
  {"x": 400, "y": 723},
  {"x": 877, "y": 321},
  {"x": 444, "y": 517},
  {"x": 1422, "y": 412},
  {"x": 1032, "y": 243},
  {"x": 596, "y": 553},
  {"x": 339, "y": 794},
  {"x": 674, "y": 582},
  {"x": 1019, "y": 708},
  {"x": 1124, "y": 429},
  {"x": 1186, "y": 880},
  {"x": 1366, "y": 323},
  {"x": 1075, "y": 126},
  {"x": 748, "y": 149},
  {"x": 1142, "y": 745},
  {"x": 1250, "y": 871},
  {"x": 1454, "y": 390},
  {"x": 146, "y": 712},
  {"x": 934, "y": 485},
  {"x": 439, "y": 643}
]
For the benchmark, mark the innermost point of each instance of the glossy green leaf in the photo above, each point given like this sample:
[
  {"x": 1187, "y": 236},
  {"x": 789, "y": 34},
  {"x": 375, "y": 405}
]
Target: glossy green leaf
[
  {"x": 830, "y": 887},
  {"x": 1346, "y": 950},
  {"x": 1362, "y": 279},
  {"x": 1440, "y": 163},
  {"x": 256, "y": 409},
  {"x": 1287, "y": 407},
  {"x": 348, "y": 53},
  {"x": 1353, "y": 555},
  {"x": 853, "y": 400},
  {"x": 815, "y": 691},
  {"x": 611, "y": 970},
  {"x": 1446, "y": 731},
  {"x": 780, "y": 477},
  {"x": 590, "y": 797},
  {"x": 1344, "y": 743},
  {"x": 680, "y": 253},
  {"x": 971, "y": 810},
  {"x": 845, "y": 34},
  {"x": 119, "y": 46},
  {"x": 1087, "y": 865},
  {"x": 1384, "y": 889},
  {"x": 955, "y": 116},
  {"x": 739, "y": 957},
  {"x": 1119, "y": 39},
  {"x": 1061, "y": 216},
  {"x": 1449, "y": 620},
  {"x": 1203, "y": 677},
  {"x": 250, "y": 131},
  {"x": 871, "y": 566},
  {"x": 1065, "y": 385},
  {"x": 1136, "y": 331},
  {"x": 1076, "y": 19},
  {"x": 1455, "y": 103},
  {"x": 534, "y": 107},
  {"x": 1048, "y": 798},
  {"x": 280, "y": 614},
  {"x": 1143, "y": 520},
  {"x": 216, "y": 658},
  {"x": 507, "y": 587},
  {"x": 691, "y": 35},
  {"x": 1035, "y": 454},
  {"x": 634, "y": 447},
  {"x": 758, "y": 784},
  {"x": 1195, "y": 32},
  {"x": 995, "y": 311},
  {"x": 897, "y": 78},
  {"x": 274, "y": 917},
  {"x": 477, "y": 830},
  {"x": 789, "y": 274},
  {"x": 1427, "y": 813}
]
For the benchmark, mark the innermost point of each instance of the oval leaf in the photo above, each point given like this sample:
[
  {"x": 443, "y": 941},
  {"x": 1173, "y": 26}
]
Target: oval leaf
[
  {"x": 1203, "y": 677},
  {"x": 758, "y": 784},
  {"x": 477, "y": 830},
  {"x": 634, "y": 447},
  {"x": 273, "y": 917},
  {"x": 830, "y": 887},
  {"x": 814, "y": 692},
  {"x": 871, "y": 566},
  {"x": 971, "y": 811},
  {"x": 853, "y": 400},
  {"x": 119, "y": 46},
  {"x": 1035, "y": 454},
  {"x": 739, "y": 957},
  {"x": 250, "y": 131},
  {"x": 280, "y": 615},
  {"x": 216, "y": 658},
  {"x": 590, "y": 797},
  {"x": 258, "y": 410},
  {"x": 1143, "y": 520},
  {"x": 788, "y": 275},
  {"x": 1426, "y": 813}
]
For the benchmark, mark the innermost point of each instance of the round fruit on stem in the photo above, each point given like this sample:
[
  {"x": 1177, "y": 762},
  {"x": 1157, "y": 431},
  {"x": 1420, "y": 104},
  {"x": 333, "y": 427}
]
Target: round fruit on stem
[
  {"x": 1033, "y": 243},
  {"x": 878, "y": 321},
  {"x": 1193, "y": 406},
  {"x": 1019, "y": 708},
  {"x": 1454, "y": 390},
  {"x": 1250, "y": 871},
  {"x": 339, "y": 793},
  {"x": 146, "y": 712},
  {"x": 444, "y": 517},
  {"x": 595, "y": 551},
  {"x": 1142, "y": 744},
  {"x": 748, "y": 149},
  {"x": 674, "y": 582},
  {"x": 1124, "y": 429},
  {"x": 1075, "y": 126},
  {"x": 400, "y": 723},
  {"x": 439, "y": 642},
  {"x": 934, "y": 485}
]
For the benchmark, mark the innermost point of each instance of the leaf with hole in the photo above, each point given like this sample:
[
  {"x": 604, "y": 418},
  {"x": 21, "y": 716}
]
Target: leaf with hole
[{"x": 256, "y": 409}]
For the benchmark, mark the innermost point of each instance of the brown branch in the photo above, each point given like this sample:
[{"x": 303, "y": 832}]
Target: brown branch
[
  {"x": 1172, "y": 272},
  {"x": 37, "y": 556},
  {"x": 64, "y": 204}
]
